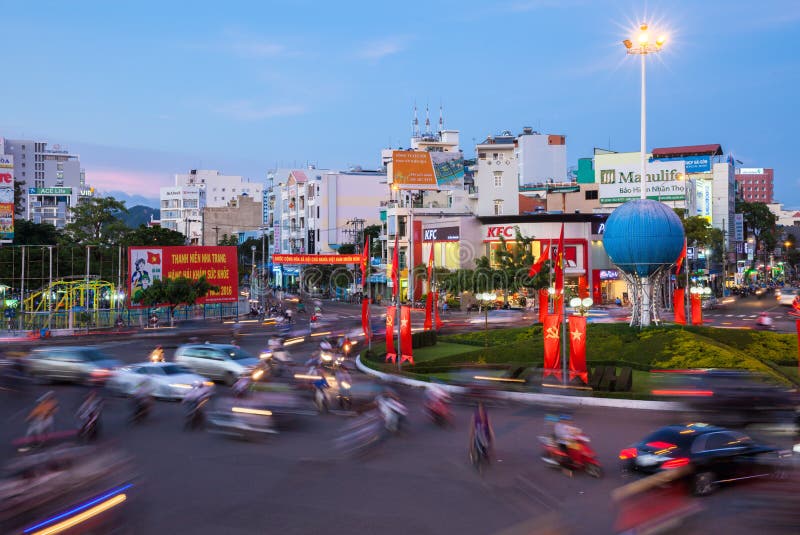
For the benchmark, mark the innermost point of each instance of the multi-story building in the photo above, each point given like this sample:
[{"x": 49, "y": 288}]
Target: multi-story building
[
  {"x": 220, "y": 189},
  {"x": 182, "y": 211},
  {"x": 240, "y": 218},
  {"x": 53, "y": 177},
  {"x": 756, "y": 184},
  {"x": 315, "y": 211}
]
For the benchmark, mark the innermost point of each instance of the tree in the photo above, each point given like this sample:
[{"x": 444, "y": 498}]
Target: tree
[
  {"x": 93, "y": 222},
  {"x": 152, "y": 236},
  {"x": 174, "y": 292},
  {"x": 19, "y": 197},
  {"x": 30, "y": 233},
  {"x": 346, "y": 248},
  {"x": 228, "y": 240},
  {"x": 515, "y": 262},
  {"x": 374, "y": 232},
  {"x": 761, "y": 222}
]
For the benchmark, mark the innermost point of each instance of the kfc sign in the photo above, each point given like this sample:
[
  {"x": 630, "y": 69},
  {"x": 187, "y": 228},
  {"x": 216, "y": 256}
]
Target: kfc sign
[
  {"x": 441, "y": 234},
  {"x": 495, "y": 233}
]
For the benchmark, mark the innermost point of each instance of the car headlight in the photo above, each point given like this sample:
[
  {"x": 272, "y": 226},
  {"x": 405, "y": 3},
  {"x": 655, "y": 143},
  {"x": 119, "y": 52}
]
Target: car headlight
[
  {"x": 180, "y": 386},
  {"x": 327, "y": 357},
  {"x": 258, "y": 374},
  {"x": 345, "y": 384},
  {"x": 265, "y": 355}
]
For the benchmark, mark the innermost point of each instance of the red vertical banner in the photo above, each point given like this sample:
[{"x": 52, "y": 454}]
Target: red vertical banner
[
  {"x": 428, "y": 311},
  {"x": 396, "y": 267},
  {"x": 678, "y": 304},
  {"x": 583, "y": 287},
  {"x": 437, "y": 320},
  {"x": 577, "y": 348},
  {"x": 365, "y": 318},
  {"x": 552, "y": 345},
  {"x": 390, "y": 353},
  {"x": 406, "y": 352},
  {"x": 697, "y": 309},
  {"x": 544, "y": 295},
  {"x": 416, "y": 257}
]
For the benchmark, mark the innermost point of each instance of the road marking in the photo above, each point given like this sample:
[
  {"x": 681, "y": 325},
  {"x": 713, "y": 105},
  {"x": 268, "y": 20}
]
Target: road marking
[
  {"x": 727, "y": 323},
  {"x": 728, "y": 315}
]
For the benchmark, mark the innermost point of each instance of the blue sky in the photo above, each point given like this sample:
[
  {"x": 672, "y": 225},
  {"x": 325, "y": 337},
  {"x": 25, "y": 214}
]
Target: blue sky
[{"x": 146, "y": 89}]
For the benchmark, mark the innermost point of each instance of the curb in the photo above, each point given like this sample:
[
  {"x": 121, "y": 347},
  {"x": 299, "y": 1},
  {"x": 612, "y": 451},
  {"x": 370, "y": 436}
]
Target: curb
[{"x": 532, "y": 398}]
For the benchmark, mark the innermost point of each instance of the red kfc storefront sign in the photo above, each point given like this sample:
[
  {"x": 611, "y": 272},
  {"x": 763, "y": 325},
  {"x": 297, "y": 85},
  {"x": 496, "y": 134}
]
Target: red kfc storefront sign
[{"x": 496, "y": 232}]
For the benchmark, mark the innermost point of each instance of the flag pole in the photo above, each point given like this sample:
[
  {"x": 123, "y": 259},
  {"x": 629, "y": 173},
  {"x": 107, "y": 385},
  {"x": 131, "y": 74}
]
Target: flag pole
[
  {"x": 369, "y": 295},
  {"x": 564, "y": 329}
]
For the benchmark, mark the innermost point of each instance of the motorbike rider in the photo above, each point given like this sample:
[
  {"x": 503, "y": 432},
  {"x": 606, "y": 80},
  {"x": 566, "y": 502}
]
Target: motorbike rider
[
  {"x": 157, "y": 355},
  {"x": 764, "y": 320},
  {"x": 142, "y": 397},
  {"x": 436, "y": 399},
  {"x": 92, "y": 406},
  {"x": 566, "y": 434},
  {"x": 390, "y": 409},
  {"x": 42, "y": 416},
  {"x": 196, "y": 396},
  {"x": 481, "y": 429}
]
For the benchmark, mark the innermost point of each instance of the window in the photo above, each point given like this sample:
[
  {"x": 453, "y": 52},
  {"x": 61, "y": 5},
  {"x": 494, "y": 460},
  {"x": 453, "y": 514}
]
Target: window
[
  {"x": 495, "y": 156},
  {"x": 317, "y": 212},
  {"x": 482, "y": 155},
  {"x": 498, "y": 207},
  {"x": 317, "y": 234},
  {"x": 498, "y": 179},
  {"x": 591, "y": 194}
]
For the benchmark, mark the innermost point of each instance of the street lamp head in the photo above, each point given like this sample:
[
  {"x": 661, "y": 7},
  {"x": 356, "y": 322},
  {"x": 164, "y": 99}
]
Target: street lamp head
[
  {"x": 643, "y": 37},
  {"x": 575, "y": 302},
  {"x": 643, "y": 27},
  {"x": 586, "y": 302},
  {"x": 628, "y": 44},
  {"x": 661, "y": 40}
]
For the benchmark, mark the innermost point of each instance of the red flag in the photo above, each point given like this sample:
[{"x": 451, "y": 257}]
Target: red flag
[
  {"x": 559, "y": 267},
  {"x": 395, "y": 268},
  {"x": 577, "y": 348},
  {"x": 365, "y": 318},
  {"x": 681, "y": 258},
  {"x": 436, "y": 318},
  {"x": 364, "y": 263},
  {"x": 428, "y": 305},
  {"x": 679, "y": 306},
  {"x": 697, "y": 309},
  {"x": 429, "y": 297},
  {"x": 153, "y": 258},
  {"x": 544, "y": 297},
  {"x": 406, "y": 352},
  {"x": 583, "y": 287},
  {"x": 537, "y": 266},
  {"x": 552, "y": 344},
  {"x": 390, "y": 350}
]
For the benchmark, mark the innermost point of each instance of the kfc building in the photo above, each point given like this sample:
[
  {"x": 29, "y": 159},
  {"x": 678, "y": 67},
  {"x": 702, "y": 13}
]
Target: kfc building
[
  {"x": 455, "y": 242},
  {"x": 586, "y": 263}
]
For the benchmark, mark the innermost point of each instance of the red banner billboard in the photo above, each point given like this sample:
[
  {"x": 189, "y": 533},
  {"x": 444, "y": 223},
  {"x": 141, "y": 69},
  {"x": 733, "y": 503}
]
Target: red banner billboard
[
  {"x": 577, "y": 348},
  {"x": 552, "y": 344},
  {"x": 316, "y": 259},
  {"x": 217, "y": 263}
]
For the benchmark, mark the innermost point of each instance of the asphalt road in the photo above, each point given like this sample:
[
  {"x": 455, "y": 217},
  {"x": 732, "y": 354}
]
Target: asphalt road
[{"x": 419, "y": 482}]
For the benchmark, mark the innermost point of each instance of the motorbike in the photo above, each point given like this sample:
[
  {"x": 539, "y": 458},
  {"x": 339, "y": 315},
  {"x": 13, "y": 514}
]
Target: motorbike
[
  {"x": 142, "y": 406},
  {"x": 157, "y": 356},
  {"x": 439, "y": 412},
  {"x": 394, "y": 415},
  {"x": 478, "y": 454},
  {"x": 89, "y": 424},
  {"x": 343, "y": 395},
  {"x": 580, "y": 457},
  {"x": 242, "y": 385},
  {"x": 195, "y": 416}
]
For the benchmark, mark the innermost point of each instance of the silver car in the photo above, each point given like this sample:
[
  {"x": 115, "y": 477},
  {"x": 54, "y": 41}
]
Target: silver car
[
  {"x": 81, "y": 364},
  {"x": 219, "y": 362}
]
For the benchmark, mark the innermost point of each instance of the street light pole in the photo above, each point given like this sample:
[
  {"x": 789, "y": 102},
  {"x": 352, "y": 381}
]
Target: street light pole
[{"x": 644, "y": 47}]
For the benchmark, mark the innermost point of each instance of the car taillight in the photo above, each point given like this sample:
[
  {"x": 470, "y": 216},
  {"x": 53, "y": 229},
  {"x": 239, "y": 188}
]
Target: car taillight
[
  {"x": 627, "y": 453},
  {"x": 676, "y": 463},
  {"x": 101, "y": 373}
]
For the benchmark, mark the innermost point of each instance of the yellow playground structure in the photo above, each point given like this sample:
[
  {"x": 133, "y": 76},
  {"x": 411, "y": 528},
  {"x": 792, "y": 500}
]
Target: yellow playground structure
[{"x": 65, "y": 295}]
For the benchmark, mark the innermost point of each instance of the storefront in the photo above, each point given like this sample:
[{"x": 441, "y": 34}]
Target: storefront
[
  {"x": 608, "y": 286},
  {"x": 446, "y": 245}
]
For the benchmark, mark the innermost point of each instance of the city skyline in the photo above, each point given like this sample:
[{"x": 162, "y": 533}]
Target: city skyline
[{"x": 261, "y": 86}]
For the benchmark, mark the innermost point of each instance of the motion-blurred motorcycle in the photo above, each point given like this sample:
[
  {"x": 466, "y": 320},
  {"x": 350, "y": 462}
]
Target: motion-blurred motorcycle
[{"x": 580, "y": 456}]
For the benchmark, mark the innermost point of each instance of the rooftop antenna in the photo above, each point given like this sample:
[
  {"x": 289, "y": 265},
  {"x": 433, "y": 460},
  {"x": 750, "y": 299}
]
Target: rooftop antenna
[
  {"x": 427, "y": 120},
  {"x": 415, "y": 124},
  {"x": 441, "y": 118}
]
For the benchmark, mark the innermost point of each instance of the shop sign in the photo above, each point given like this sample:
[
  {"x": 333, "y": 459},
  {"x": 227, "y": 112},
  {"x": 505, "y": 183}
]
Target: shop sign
[
  {"x": 598, "y": 227},
  {"x": 495, "y": 232},
  {"x": 609, "y": 274},
  {"x": 442, "y": 234}
]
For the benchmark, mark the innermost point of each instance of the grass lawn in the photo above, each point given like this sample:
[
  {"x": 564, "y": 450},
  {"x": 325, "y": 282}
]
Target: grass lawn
[{"x": 440, "y": 350}]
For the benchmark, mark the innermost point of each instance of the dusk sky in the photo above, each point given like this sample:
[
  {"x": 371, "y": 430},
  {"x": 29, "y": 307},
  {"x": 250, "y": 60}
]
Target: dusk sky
[{"x": 144, "y": 90}]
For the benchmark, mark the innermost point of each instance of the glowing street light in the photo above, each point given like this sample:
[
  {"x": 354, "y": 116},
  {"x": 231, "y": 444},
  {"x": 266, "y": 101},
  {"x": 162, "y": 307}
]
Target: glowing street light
[
  {"x": 643, "y": 47},
  {"x": 581, "y": 306}
]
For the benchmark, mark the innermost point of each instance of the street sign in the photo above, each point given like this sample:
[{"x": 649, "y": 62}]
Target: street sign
[
  {"x": 10, "y": 313},
  {"x": 690, "y": 253}
]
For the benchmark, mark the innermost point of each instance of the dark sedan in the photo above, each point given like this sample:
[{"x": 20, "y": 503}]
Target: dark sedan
[{"x": 713, "y": 455}]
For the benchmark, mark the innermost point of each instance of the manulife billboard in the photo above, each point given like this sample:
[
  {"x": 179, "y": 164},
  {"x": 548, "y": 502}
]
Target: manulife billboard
[{"x": 619, "y": 183}]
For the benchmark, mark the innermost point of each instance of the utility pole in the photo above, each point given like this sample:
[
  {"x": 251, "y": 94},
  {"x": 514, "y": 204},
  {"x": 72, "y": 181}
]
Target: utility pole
[{"x": 216, "y": 234}]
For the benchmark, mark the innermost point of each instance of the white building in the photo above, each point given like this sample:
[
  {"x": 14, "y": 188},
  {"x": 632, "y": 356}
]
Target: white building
[
  {"x": 53, "y": 177},
  {"x": 182, "y": 211},
  {"x": 220, "y": 189},
  {"x": 542, "y": 157}
]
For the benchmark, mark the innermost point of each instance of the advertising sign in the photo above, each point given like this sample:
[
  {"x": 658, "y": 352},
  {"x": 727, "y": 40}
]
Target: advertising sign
[
  {"x": 441, "y": 234},
  {"x": 665, "y": 182},
  {"x": 50, "y": 191},
  {"x": 703, "y": 198},
  {"x": 449, "y": 169},
  {"x": 217, "y": 263},
  {"x": 609, "y": 274},
  {"x": 738, "y": 223},
  {"x": 316, "y": 258},
  {"x": 694, "y": 164},
  {"x": 6, "y": 198},
  {"x": 751, "y": 171},
  {"x": 413, "y": 169}
]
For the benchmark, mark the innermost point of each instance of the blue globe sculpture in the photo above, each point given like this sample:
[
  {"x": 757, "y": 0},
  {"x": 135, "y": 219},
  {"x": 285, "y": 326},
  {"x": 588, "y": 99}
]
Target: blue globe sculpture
[{"x": 643, "y": 235}]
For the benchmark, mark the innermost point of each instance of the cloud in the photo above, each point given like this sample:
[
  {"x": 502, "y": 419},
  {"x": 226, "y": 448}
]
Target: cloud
[
  {"x": 131, "y": 181},
  {"x": 376, "y": 50},
  {"x": 247, "y": 110}
]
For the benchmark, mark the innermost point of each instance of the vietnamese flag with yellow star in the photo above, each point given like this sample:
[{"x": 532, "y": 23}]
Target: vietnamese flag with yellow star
[
  {"x": 577, "y": 348},
  {"x": 405, "y": 335},
  {"x": 552, "y": 344},
  {"x": 390, "y": 354}
]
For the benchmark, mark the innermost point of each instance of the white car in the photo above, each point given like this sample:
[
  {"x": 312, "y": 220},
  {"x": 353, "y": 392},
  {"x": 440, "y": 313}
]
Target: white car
[
  {"x": 168, "y": 380},
  {"x": 786, "y": 296}
]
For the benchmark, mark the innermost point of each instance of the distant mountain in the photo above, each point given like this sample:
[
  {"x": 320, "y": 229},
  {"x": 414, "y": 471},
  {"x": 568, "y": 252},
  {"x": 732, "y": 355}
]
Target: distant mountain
[
  {"x": 139, "y": 215},
  {"x": 131, "y": 200}
]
